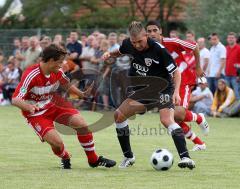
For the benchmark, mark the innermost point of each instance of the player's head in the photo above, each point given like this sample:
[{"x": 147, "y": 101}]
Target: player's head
[
  {"x": 154, "y": 30},
  {"x": 232, "y": 38},
  {"x": 214, "y": 39},
  {"x": 201, "y": 42},
  {"x": 190, "y": 36},
  {"x": 138, "y": 36},
  {"x": 53, "y": 56},
  {"x": 173, "y": 34}
]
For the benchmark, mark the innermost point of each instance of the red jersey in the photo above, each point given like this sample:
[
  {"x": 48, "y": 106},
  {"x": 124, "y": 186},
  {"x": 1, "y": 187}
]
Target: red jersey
[
  {"x": 232, "y": 60},
  {"x": 39, "y": 89},
  {"x": 176, "y": 48}
]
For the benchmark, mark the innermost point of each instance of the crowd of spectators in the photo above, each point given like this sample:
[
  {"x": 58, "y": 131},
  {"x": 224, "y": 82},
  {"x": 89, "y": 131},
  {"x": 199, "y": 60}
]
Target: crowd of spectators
[{"x": 216, "y": 95}]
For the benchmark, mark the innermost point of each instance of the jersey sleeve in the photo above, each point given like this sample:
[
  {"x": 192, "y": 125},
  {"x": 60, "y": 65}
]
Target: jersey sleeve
[
  {"x": 167, "y": 60},
  {"x": 64, "y": 80},
  {"x": 184, "y": 45},
  {"x": 124, "y": 48},
  {"x": 24, "y": 86}
]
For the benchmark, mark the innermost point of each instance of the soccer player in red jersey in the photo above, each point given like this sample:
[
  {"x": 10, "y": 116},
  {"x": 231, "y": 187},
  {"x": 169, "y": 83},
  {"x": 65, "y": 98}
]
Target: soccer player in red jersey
[
  {"x": 176, "y": 47},
  {"x": 36, "y": 95}
]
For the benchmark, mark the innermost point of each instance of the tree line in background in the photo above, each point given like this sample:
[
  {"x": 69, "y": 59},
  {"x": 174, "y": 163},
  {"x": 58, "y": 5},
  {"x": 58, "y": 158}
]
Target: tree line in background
[{"x": 203, "y": 16}]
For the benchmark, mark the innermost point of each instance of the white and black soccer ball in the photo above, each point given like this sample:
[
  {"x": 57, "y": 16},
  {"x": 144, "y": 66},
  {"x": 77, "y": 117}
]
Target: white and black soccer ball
[{"x": 161, "y": 160}]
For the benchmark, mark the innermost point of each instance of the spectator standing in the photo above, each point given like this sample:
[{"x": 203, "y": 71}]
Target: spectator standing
[
  {"x": 32, "y": 54},
  {"x": 232, "y": 62},
  {"x": 22, "y": 53},
  {"x": 217, "y": 62},
  {"x": 16, "y": 46},
  {"x": 204, "y": 54},
  {"x": 74, "y": 47}
]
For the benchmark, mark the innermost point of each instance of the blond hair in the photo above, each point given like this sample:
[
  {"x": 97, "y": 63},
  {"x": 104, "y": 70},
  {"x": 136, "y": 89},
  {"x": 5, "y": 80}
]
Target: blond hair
[{"x": 135, "y": 28}]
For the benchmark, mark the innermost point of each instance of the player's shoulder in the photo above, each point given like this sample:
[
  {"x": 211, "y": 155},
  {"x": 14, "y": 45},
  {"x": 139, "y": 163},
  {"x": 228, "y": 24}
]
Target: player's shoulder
[
  {"x": 32, "y": 71},
  {"x": 169, "y": 40},
  {"x": 126, "y": 41}
]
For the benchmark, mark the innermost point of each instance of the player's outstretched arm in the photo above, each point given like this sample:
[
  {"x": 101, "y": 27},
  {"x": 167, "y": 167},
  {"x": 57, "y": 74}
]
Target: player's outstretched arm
[
  {"x": 177, "y": 81},
  {"x": 199, "y": 71},
  {"x": 20, "y": 103},
  {"x": 113, "y": 54},
  {"x": 79, "y": 93}
]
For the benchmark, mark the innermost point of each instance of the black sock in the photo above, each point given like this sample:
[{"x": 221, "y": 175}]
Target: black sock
[
  {"x": 180, "y": 143},
  {"x": 124, "y": 140}
]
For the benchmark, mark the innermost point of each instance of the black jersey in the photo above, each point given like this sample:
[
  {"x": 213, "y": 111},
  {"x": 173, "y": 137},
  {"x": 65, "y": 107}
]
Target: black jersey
[{"x": 154, "y": 61}]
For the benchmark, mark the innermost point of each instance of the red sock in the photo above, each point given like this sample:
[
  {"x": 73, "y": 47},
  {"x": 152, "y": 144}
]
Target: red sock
[
  {"x": 192, "y": 136},
  {"x": 190, "y": 116},
  {"x": 184, "y": 127},
  {"x": 62, "y": 153},
  {"x": 88, "y": 145}
]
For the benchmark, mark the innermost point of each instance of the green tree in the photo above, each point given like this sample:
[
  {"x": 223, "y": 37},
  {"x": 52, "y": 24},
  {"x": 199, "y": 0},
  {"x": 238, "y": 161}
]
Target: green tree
[{"x": 207, "y": 16}]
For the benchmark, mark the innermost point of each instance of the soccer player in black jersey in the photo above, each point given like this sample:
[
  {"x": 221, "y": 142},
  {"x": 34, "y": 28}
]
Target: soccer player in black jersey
[{"x": 152, "y": 66}]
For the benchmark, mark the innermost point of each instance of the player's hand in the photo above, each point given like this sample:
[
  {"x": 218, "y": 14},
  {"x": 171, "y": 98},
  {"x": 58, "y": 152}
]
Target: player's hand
[
  {"x": 106, "y": 56},
  {"x": 32, "y": 108},
  {"x": 176, "y": 98},
  {"x": 89, "y": 90},
  {"x": 200, "y": 72}
]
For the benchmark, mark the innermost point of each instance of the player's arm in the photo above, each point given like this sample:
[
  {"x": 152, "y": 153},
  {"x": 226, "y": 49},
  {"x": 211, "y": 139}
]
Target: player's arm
[
  {"x": 79, "y": 93},
  {"x": 123, "y": 49},
  {"x": 199, "y": 71},
  {"x": 23, "y": 105},
  {"x": 113, "y": 54},
  {"x": 177, "y": 81},
  {"x": 172, "y": 70},
  {"x": 20, "y": 93},
  {"x": 69, "y": 87}
]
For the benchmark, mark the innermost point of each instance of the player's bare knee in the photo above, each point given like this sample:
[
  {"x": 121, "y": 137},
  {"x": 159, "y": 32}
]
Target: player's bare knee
[
  {"x": 179, "y": 113},
  {"x": 166, "y": 121},
  {"x": 119, "y": 117}
]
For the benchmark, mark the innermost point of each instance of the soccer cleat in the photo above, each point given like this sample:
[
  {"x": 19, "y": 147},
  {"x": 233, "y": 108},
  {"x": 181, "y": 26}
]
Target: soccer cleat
[
  {"x": 204, "y": 125},
  {"x": 186, "y": 163},
  {"x": 103, "y": 162},
  {"x": 65, "y": 164},
  {"x": 199, "y": 147},
  {"x": 127, "y": 162}
]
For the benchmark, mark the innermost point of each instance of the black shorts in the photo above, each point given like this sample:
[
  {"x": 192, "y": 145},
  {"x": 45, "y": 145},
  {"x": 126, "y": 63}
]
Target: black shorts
[{"x": 154, "y": 99}]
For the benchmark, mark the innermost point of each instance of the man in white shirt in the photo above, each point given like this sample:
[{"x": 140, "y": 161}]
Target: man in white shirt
[
  {"x": 202, "y": 97},
  {"x": 204, "y": 54},
  {"x": 217, "y": 62}
]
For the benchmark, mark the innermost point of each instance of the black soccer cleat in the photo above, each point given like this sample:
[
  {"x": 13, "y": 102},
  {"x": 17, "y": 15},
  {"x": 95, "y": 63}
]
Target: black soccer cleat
[
  {"x": 186, "y": 163},
  {"x": 65, "y": 164},
  {"x": 103, "y": 162}
]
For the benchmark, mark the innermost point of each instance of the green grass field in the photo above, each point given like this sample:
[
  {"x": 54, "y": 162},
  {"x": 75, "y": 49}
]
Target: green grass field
[{"x": 26, "y": 163}]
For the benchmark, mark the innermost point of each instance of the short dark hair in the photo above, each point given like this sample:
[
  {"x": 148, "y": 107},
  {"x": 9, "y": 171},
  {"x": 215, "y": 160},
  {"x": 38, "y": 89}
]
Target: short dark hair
[
  {"x": 155, "y": 23},
  {"x": 232, "y": 33},
  {"x": 214, "y": 34},
  {"x": 53, "y": 51},
  {"x": 190, "y": 32}
]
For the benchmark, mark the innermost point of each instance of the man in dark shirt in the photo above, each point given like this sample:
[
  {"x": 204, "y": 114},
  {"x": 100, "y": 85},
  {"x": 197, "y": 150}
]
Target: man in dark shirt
[
  {"x": 152, "y": 66},
  {"x": 74, "y": 47}
]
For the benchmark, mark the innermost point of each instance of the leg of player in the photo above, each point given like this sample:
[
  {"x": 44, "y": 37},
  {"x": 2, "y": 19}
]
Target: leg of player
[
  {"x": 56, "y": 143},
  {"x": 127, "y": 109},
  {"x": 182, "y": 114},
  {"x": 85, "y": 138},
  {"x": 167, "y": 119},
  {"x": 189, "y": 134}
]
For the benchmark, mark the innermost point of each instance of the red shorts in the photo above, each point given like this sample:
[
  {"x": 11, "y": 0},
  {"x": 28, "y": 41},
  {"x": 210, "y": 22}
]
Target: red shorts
[
  {"x": 45, "y": 122},
  {"x": 185, "y": 94}
]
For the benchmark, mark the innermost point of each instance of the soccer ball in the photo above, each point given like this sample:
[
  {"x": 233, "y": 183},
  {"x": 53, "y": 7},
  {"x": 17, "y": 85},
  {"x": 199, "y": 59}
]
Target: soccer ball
[{"x": 161, "y": 160}]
